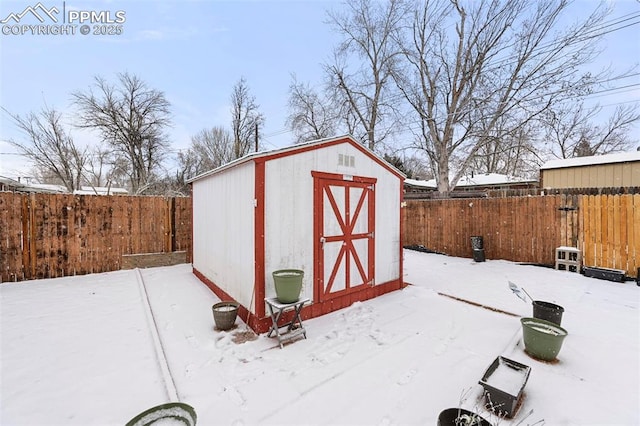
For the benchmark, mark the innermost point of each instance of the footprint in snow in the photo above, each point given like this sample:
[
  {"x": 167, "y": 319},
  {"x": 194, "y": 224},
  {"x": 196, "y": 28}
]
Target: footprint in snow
[
  {"x": 188, "y": 371},
  {"x": 407, "y": 377},
  {"x": 235, "y": 396},
  {"x": 386, "y": 421},
  {"x": 379, "y": 337},
  {"x": 192, "y": 340}
]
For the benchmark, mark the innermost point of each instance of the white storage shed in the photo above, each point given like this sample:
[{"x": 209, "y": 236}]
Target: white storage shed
[{"x": 330, "y": 207}]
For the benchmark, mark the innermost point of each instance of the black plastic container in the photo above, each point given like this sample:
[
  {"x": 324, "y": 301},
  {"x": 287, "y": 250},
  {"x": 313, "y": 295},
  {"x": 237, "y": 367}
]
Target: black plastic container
[
  {"x": 477, "y": 243},
  {"x": 616, "y": 275},
  {"x": 460, "y": 417},
  {"x": 548, "y": 311},
  {"x": 503, "y": 384},
  {"x": 478, "y": 255}
]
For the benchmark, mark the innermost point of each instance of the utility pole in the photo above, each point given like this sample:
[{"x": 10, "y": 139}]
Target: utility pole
[{"x": 256, "y": 137}]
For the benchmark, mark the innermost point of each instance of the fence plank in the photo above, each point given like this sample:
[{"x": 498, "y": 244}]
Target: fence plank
[
  {"x": 636, "y": 232},
  {"x": 624, "y": 238},
  {"x": 53, "y": 235},
  {"x": 617, "y": 255},
  {"x": 606, "y": 228}
]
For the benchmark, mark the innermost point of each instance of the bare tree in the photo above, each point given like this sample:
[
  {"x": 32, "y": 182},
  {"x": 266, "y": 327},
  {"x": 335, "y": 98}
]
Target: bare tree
[
  {"x": 471, "y": 65},
  {"x": 209, "y": 149},
  {"x": 310, "y": 115},
  {"x": 212, "y": 148},
  {"x": 369, "y": 29},
  {"x": 105, "y": 169},
  {"x": 131, "y": 118},
  {"x": 514, "y": 153},
  {"x": 571, "y": 130},
  {"x": 49, "y": 145},
  {"x": 246, "y": 119}
]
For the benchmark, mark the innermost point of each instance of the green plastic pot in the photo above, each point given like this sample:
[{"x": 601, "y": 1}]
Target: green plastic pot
[
  {"x": 175, "y": 411},
  {"x": 542, "y": 339},
  {"x": 288, "y": 283}
]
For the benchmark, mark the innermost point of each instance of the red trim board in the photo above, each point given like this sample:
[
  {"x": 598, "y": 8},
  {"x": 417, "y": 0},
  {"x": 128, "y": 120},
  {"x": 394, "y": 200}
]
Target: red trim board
[{"x": 262, "y": 324}]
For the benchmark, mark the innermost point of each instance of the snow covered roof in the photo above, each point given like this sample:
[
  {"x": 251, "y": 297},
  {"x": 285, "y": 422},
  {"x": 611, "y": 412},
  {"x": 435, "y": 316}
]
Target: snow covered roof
[
  {"x": 45, "y": 187},
  {"x": 9, "y": 181},
  {"x": 100, "y": 190},
  {"x": 620, "y": 157},
  {"x": 60, "y": 189},
  {"x": 427, "y": 184},
  {"x": 295, "y": 148},
  {"x": 482, "y": 179}
]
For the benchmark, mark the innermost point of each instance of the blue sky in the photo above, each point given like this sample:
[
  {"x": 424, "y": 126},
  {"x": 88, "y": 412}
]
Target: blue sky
[{"x": 195, "y": 51}]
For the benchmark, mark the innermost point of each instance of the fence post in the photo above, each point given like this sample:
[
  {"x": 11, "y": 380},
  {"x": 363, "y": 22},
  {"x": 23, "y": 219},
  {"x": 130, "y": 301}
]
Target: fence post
[
  {"x": 28, "y": 236},
  {"x": 170, "y": 223}
]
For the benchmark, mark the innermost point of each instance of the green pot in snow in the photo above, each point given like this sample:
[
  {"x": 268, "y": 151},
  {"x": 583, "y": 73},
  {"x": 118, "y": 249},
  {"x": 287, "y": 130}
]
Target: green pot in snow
[
  {"x": 542, "y": 339},
  {"x": 288, "y": 283},
  {"x": 172, "y": 412}
]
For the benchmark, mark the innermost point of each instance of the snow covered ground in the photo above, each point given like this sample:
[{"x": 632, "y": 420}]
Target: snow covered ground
[{"x": 85, "y": 351}]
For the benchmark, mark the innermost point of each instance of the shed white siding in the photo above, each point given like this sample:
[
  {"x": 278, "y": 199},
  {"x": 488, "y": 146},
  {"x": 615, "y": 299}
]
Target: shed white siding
[
  {"x": 223, "y": 223},
  {"x": 256, "y": 215},
  {"x": 289, "y": 211}
]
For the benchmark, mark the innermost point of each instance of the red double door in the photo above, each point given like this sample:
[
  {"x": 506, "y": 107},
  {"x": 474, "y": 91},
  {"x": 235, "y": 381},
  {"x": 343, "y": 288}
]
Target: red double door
[{"x": 344, "y": 234}]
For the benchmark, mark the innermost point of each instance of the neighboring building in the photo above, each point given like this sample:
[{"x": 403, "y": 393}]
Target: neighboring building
[
  {"x": 476, "y": 185},
  {"x": 329, "y": 207},
  {"x": 620, "y": 170},
  {"x": 100, "y": 190},
  {"x": 11, "y": 185},
  {"x": 8, "y": 184},
  {"x": 414, "y": 188}
]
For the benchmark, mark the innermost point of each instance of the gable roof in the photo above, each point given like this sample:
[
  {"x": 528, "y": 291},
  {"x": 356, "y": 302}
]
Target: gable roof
[
  {"x": 298, "y": 148},
  {"x": 620, "y": 157}
]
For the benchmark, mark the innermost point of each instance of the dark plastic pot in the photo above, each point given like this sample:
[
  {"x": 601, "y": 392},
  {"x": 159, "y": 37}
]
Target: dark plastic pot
[
  {"x": 478, "y": 255},
  {"x": 460, "y": 417},
  {"x": 288, "y": 284},
  {"x": 175, "y": 411},
  {"x": 503, "y": 384},
  {"x": 548, "y": 311},
  {"x": 542, "y": 339},
  {"x": 224, "y": 314}
]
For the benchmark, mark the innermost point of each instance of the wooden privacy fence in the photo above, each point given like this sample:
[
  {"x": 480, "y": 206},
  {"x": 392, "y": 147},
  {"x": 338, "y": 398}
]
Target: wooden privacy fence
[
  {"x": 606, "y": 228},
  {"x": 54, "y": 235}
]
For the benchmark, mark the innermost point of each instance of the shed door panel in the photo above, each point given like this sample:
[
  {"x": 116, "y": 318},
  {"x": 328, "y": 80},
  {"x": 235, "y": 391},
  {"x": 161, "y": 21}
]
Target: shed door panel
[{"x": 344, "y": 232}]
